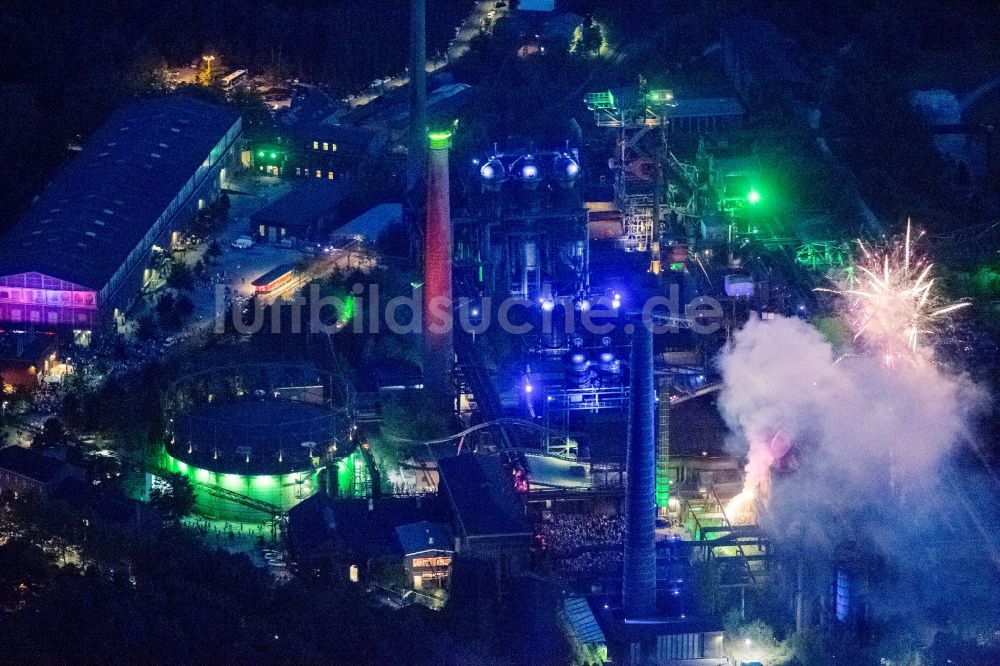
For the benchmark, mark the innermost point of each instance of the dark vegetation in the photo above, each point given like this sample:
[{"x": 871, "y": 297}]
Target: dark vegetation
[{"x": 166, "y": 598}]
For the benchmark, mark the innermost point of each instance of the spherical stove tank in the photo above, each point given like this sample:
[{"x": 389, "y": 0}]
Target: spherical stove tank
[
  {"x": 528, "y": 172},
  {"x": 493, "y": 174},
  {"x": 565, "y": 170}
]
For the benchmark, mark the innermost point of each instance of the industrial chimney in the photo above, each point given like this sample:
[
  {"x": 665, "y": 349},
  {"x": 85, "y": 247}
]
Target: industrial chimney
[
  {"x": 437, "y": 295},
  {"x": 416, "y": 158},
  {"x": 639, "y": 562}
]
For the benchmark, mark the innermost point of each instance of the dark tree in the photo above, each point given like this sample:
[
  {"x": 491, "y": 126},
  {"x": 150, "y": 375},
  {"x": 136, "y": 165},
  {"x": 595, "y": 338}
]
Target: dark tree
[
  {"x": 176, "y": 501},
  {"x": 53, "y": 434},
  {"x": 181, "y": 277}
]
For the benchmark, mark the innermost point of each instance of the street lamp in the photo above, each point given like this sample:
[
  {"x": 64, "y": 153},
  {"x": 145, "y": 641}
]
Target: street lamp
[
  {"x": 753, "y": 197},
  {"x": 208, "y": 58}
]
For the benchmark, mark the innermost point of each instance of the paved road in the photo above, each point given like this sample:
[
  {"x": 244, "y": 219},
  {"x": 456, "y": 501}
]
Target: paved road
[{"x": 475, "y": 23}]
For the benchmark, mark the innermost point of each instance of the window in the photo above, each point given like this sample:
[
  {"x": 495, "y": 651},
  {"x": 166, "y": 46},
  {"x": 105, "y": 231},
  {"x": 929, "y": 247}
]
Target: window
[
  {"x": 319, "y": 174},
  {"x": 326, "y": 146},
  {"x": 298, "y": 171},
  {"x": 261, "y": 231},
  {"x": 329, "y": 175},
  {"x": 315, "y": 145},
  {"x": 333, "y": 147}
]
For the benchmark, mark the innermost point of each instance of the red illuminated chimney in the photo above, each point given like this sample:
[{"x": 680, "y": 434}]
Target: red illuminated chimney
[{"x": 437, "y": 308}]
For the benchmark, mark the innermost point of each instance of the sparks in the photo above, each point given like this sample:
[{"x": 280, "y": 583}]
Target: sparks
[{"x": 893, "y": 305}]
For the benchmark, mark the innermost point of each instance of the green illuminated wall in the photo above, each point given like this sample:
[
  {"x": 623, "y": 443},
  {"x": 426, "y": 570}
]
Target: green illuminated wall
[
  {"x": 352, "y": 476},
  {"x": 663, "y": 448},
  {"x": 284, "y": 490}
]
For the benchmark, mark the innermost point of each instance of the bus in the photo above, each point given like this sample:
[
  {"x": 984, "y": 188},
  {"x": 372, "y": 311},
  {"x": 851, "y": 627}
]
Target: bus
[
  {"x": 234, "y": 79},
  {"x": 274, "y": 279}
]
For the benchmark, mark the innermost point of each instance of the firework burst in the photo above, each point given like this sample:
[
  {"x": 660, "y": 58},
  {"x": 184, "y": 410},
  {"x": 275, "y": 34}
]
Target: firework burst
[{"x": 893, "y": 304}]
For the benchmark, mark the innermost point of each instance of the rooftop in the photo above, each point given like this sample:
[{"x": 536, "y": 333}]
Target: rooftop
[
  {"x": 423, "y": 536},
  {"x": 581, "y": 620},
  {"x": 304, "y": 206},
  {"x": 220, "y": 436},
  {"x": 108, "y": 506},
  {"x": 365, "y": 527},
  {"x": 351, "y": 142},
  {"x": 482, "y": 497},
  {"x": 373, "y": 222},
  {"x": 706, "y": 107},
  {"x": 101, "y": 204},
  {"x": 29, "y": 464}
]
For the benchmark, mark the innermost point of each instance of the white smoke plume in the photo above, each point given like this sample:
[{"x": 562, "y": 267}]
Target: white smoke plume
[{"x": 856, "y": 431}]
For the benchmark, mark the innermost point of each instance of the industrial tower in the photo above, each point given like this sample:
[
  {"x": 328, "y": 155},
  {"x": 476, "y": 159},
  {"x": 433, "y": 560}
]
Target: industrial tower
[
  {"x": 437, "y": 289},
  {"x": 416, "y": 156},
  {"x": 639, "y": 561},
  {"x": 640, "y": 116}
]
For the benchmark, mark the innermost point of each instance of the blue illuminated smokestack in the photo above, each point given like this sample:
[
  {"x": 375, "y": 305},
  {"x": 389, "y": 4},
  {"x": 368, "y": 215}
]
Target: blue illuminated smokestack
[{"x": 639, "y": 566}]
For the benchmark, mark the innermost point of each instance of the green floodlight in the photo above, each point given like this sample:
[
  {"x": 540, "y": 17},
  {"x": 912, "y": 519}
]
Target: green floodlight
[
  {"x": 440, "y": 140},
  {"x": 274, "y": 156},
  {"x": 659, "y": 96},
  {"x": 260, "y": 153},
  {"x": 753, "y": 196}
]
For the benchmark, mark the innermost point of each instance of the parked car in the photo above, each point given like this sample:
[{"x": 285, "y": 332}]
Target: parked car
[{"x": 242, "y": 243}]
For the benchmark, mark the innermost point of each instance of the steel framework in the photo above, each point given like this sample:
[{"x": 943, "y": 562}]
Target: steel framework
[{"x": 641, "y": 151}]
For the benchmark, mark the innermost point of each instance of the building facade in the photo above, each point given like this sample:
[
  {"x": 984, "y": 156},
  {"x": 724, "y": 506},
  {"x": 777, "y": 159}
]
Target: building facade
[{"x": 82, "y": 253}]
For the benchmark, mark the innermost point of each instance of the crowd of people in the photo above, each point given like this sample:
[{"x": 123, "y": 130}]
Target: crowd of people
[
  {"x": 591, "y": 563},
  {"x": 566, "y": 534}
]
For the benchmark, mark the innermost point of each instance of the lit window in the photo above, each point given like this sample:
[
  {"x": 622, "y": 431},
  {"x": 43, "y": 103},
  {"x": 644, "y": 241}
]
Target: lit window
[
  {"x": 326, "y": 146},
  {"x": 315, "y": 145},
  {"x": 329, "y": 175},
  {"x": 298, "y": 171},
  {"x": 319, "y": 174},
  {"x": 333, "y": 146},
  {"x": 261, "y": 231}
]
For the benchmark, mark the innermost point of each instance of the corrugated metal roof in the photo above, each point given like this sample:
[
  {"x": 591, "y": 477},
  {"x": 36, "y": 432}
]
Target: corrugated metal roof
[
  {"x": 582, "y": 621},
  {"x": 486, "y": 506},
  {"x": 101, "y": 204}
]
